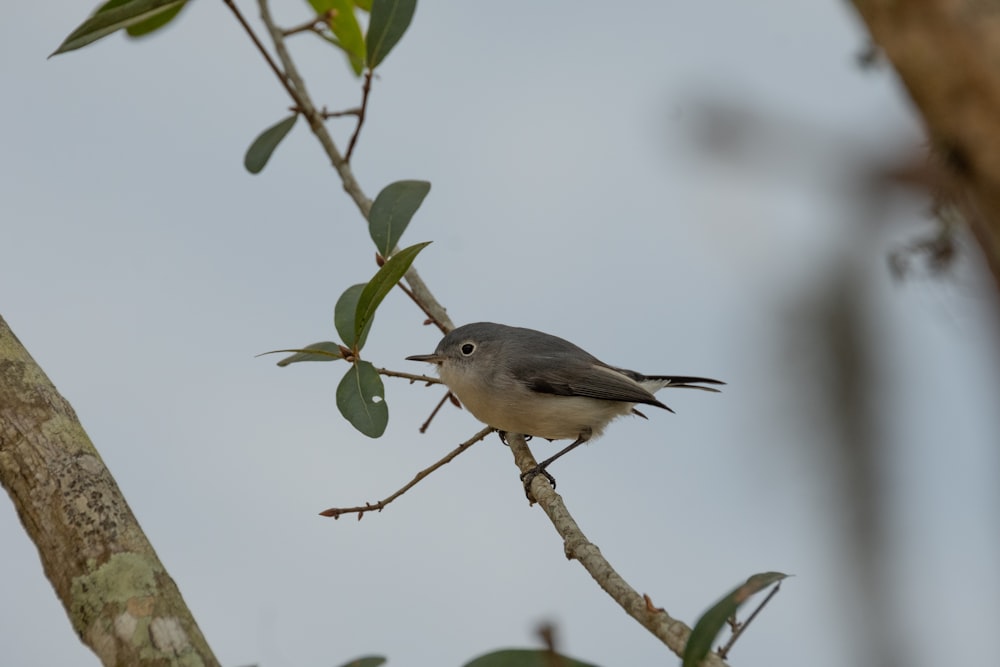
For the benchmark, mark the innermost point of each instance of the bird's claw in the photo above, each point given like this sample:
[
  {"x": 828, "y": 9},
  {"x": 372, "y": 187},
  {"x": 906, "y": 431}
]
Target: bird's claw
[{"x": 530, "y": 475}]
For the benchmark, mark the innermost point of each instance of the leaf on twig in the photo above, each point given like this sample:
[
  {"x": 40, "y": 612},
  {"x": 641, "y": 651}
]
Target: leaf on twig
[
  {"x": 322, "y": 351},
  {"x": 392, "y": 211},
  {"x": 389, "y": 20},
  {"x": 344, "y": 314},
  {"x": 522, "y": 657},
  {"x": 712, "y": 621},
  {"x": 155, "y": 22},
  {"x": 114, "y": 16},
  {"x": 263, "y": 146},
  {"x": 367, "y": 661},
  {"x": 380, "y": 285},
  {"x": 345, "y": 28},
  {"x": 361, "y": 399}
]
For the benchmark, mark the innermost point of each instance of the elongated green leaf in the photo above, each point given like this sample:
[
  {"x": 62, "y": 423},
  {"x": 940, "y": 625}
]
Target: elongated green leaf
[
  {"x": 345, "y": 28},
  {"x": 361, "y": 399},
  {"x": 260, "y": 150},
  {"x": 365, "y": 5},
  {"x": 380, "y": 285},
  {"x": 322, "y": 351},
  {"x": 155, "y": 22},
  {"x": 392, "y": 211},
  {"x": 344, "y": 314},
  {"x": 521, "y": 657},
  {"x": 367, "y": 661},
  {"x": 390, "y": 19},
  {"x": 712, "y": 621},
  {"x": 111, "y": 17}
]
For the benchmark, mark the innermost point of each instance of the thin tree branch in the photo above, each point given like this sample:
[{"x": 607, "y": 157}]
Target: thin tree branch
[
  {"x": 409, "y": 376},
  {"x": 366, "y": 89},
  {"x": 343, "y": 168},
  {"x": 672, "y": 632},
  {"x": 336, "y": 512},
  {"x": 741, "y": 627}
]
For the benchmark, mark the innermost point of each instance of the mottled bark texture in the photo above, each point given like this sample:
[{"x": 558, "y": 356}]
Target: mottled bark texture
[{"x": 119, "y": 598}]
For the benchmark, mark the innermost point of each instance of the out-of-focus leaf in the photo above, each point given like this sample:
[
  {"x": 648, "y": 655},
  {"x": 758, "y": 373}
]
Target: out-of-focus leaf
[
  {"x": 155, "y": 22},
  {"x": 114, "y": 16},
  {"x": 380, "y": 285},
  {"x": 390, "y": 19},
  {"x": 366, "y": 5},
  {"x": 392, "y": 210},
  {"x": 344, "y": 313},
  {"x": 367, "y": 661},
  {"x": 322, "y": 351},
  {"x": 519, "y": 657},
  {"x": 346, "y": 31},
  {"x": 361, "y": 399},
  {"x": 712, "y": 621},
  {"x": 260, "y": 150}
]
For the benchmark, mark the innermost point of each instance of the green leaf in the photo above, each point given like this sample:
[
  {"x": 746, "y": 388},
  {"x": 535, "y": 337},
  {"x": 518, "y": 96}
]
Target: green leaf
[
  {"x": 344, "y": 314},
  {"x": 260, "y": 150},
  {"x": 367, "y": 661},
  {"x": 711, "y": 622},
  {"x": 380, "y": 285},
  {"x": 323, "y": 351},
  {"x": 361, "y": 399},
  {"x": 346, "y": 30},
  {"x": 155, "y": 22},
  {"x": 392, "y": 210},
  {"x": 517, "y": 657},
  {"x": 364, "y": 5},
  {"x": 390, "y": 19},
  {"x": 114, "y": 16}
]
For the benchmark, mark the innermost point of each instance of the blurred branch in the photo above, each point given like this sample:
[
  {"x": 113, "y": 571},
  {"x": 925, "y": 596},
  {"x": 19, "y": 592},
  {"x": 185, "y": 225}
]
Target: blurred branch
[
  {"x": 669, "y": 630},
  {"x": 946, "y": 53},
  {"x": 119, "y": 597}
]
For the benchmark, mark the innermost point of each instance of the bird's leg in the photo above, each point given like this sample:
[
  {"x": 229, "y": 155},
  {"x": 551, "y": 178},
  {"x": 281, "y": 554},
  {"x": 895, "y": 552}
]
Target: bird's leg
[{"x": 540, "y": 469}]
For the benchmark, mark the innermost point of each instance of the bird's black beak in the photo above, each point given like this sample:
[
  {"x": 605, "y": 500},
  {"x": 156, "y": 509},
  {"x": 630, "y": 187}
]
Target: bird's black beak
[{"x": 429, "y": 358}]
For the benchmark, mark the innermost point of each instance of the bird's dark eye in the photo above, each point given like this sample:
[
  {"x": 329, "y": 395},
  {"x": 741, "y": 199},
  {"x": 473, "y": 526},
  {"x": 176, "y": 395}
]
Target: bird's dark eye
[{"x": 468, "y": 349}]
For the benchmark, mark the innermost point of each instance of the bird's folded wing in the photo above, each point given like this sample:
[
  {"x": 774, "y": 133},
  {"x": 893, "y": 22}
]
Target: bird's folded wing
[{"x": 590, "y": 381}]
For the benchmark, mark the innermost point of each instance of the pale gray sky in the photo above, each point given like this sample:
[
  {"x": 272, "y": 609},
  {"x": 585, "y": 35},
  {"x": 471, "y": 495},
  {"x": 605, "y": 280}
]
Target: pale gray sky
[{"x": 144, "y": 269}]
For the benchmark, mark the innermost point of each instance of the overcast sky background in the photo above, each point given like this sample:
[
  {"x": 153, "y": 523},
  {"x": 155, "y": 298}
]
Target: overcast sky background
[{"x": 144, "y": 268}]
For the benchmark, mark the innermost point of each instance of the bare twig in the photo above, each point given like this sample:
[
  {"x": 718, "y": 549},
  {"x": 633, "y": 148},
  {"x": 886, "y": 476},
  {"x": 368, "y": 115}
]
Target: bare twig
[
  {"x": 336, "y": 512},
  {"x": 672, "y": 632},
  {"x": 409, "y": 376},
  {"x": 312, "y": 25},
  {"x": 339, "y": 114},
  {"x": 366, "y": 89},
  {"x": 444, "y": 328},
  {"x": 260, "y": 47},
  {"x": 448, "y": 395},
  {"x": 740, "y": 627}
]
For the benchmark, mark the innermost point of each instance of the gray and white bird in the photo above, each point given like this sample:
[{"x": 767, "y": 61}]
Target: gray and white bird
[{"x": 524, "y": 381}]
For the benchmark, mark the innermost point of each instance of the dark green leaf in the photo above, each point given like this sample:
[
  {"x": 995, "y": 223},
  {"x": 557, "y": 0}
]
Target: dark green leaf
[
  {"x": 346, "y": 31},
  {"x": 367, "y": 661},
  {"x": 518, "y": 657},
  {"x": 260, "y": 150},
  {"x": 114, "y": 16},
  {"x": 712, "y": 621},
  {"x": 360, "y": 398},
  {"x": 155, "y": 22},
  {"x": 380, "y": 285},
  {"x": 344, "y": 313},
  {"x": 323, "y": 351},
  {"x": 392, "y": 210},
  {"x": 390, "y": 19}
]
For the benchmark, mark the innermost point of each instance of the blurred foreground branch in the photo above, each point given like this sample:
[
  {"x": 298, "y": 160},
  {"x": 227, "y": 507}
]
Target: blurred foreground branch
[
  {"x": 119, "y": 597},
  {"x": 946, "y": 53}
]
